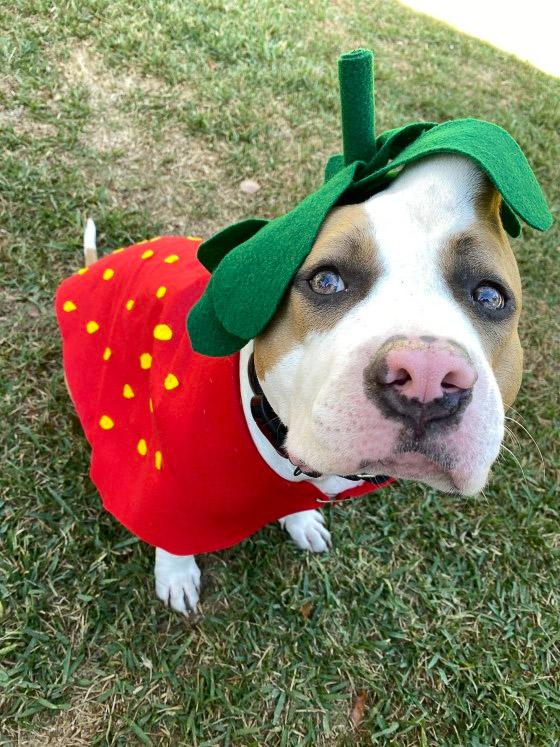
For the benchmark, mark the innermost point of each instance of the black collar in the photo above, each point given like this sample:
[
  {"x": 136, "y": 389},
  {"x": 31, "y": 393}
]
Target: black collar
[{"x": 274, "y": 430}]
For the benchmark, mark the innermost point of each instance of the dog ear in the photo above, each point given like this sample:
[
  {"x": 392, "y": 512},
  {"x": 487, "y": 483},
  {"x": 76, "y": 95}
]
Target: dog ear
[
  {"x": 491, "y": 207},
  {"x": 510, "y": 221}
]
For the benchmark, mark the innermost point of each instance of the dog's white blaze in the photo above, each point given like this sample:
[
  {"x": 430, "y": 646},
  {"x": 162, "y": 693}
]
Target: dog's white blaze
[
  {"x": 317, "y": 388},
  {"x": 331, "y": 485},
  {"x": 411, "y": 222}
]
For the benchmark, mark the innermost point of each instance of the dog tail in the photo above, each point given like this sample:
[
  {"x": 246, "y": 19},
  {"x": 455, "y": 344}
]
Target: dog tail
[{"x": 90, "y": 246}]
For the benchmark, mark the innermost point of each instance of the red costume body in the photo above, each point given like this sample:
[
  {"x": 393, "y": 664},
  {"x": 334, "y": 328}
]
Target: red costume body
[{"x": 172, "y": 456}]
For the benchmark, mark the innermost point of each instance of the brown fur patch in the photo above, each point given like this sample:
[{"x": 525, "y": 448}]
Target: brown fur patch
[
  {"x": 345, "y": 240},
  {"x": 484, "y": 251}
]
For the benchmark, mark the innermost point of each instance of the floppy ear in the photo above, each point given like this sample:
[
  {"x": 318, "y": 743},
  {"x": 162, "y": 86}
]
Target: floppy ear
[
  {"x": 492, "y": 207},
  {"x": 510, "y": 221}
]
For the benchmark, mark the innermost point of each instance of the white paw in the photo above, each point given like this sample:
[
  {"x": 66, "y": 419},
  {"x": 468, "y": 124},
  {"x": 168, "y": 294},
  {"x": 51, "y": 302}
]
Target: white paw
[
  {"x": 308, "y": 530},
  {"x": 177, "y": 581}
]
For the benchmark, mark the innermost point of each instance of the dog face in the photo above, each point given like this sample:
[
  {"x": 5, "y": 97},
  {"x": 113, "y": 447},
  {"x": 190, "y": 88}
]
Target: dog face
[{"x": 396, "y": 347}]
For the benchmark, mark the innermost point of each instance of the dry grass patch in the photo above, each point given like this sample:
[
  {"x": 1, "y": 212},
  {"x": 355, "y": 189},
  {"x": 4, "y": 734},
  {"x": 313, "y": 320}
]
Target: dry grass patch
[
  {"x": 164, "y": 171},
  {"x": 84, "y": 719}
]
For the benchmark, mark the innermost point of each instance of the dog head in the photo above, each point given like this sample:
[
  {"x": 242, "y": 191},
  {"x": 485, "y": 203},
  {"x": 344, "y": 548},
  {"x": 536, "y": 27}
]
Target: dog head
[{"x": 396, "y": 348}]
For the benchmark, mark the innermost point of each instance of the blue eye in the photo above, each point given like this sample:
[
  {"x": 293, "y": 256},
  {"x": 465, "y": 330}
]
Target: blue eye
[
  {"x": 326, "y": 282},
  {"x": 490, "y": 297}
]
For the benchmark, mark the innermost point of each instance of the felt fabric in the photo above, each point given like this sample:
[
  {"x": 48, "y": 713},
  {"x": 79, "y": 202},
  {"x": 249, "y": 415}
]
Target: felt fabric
[
  {"x": 355, "y": 76},
  {"x": 216, "y": 247},
  {"x": 253, "y": 265},
  {"x": 172, "y": 456}
]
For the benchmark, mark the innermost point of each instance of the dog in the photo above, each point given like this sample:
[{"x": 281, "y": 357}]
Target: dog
[{"x": 394, "y": 352}]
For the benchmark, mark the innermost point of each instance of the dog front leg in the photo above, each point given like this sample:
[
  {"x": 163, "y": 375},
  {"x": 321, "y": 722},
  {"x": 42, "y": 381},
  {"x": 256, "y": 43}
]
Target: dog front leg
[
  {"x": 308, "y": 530},
  {"x": 177, "y": 580}
]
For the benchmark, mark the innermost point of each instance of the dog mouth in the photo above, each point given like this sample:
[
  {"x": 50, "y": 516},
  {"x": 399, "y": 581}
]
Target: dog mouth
[
  {"x": 433, "y": 462},
  {"x": 301, "y": 467},
  {"x": 423, "y": 460},
  {"x": 413, "y": 466},
  {"x": 408, "y": 465}
]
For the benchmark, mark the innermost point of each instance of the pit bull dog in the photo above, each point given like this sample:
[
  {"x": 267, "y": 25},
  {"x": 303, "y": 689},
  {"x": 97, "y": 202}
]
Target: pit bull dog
[{"x": 394, "y": 352}]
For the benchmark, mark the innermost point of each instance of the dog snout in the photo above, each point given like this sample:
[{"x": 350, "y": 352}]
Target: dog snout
[{"x": 425, "y": 382}]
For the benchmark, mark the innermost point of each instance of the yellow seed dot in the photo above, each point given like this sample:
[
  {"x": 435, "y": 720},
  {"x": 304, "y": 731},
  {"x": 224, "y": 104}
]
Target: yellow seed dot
[
  {"x": 194, "y": 238},
  {"x": 107, "y": 354},
  {"x": 171, "y": 381},
  {"x": 69, "y": 306},
  {"x": 92, "y": 327},
  {"x": 108, "y": 274},
  {"x": 83, "y": 271},
  {"x": 151, "y": 405},
  {"x": 161, "y": 291},
  {"x": 142, "y": 447},
  {"x": 158, "y": 459},
  {"x": 129, "y": 304},
  {"x": 147, "y": 254},
  {"x": 145, "y": 361},
  {"x": 128, "y": 391},
  {"x": 172, "y": 258},
  {"x": 163, "y": 332},
  {"x": 106, "y": 423},
  {"x": 118, "y": 251}
]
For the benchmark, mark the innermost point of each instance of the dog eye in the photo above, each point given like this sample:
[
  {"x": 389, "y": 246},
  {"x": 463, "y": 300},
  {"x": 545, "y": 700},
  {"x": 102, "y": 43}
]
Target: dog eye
[
  {"x": 326, "y": 282},
  {"x": 489, "y": 296}
]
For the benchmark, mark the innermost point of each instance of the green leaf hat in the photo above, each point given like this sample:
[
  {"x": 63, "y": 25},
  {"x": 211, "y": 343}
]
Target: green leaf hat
[{"x": 253, "y": 262}]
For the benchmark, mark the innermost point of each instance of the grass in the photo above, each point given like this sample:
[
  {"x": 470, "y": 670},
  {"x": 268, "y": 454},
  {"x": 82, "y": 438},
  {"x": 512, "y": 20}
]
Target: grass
[{"x": 444, "y": 612}]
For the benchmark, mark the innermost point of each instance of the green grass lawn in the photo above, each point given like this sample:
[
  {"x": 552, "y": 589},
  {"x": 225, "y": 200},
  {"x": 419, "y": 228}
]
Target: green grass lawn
[{"x": 444, "y": 612}]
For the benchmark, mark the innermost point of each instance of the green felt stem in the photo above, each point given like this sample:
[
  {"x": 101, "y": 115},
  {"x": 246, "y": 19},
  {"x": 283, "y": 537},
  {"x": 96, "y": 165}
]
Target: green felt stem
[{"x": 355, "y": 75}]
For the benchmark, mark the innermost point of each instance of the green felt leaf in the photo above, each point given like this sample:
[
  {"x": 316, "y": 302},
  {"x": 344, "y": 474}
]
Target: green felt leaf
[
  {"x": 494, "y": 150},
  {"x": 355, "y": 75},
  {"x": 510, "y": 221},
  {"x": 207, "y": 335},
  {"x": 213, "y": 250}
]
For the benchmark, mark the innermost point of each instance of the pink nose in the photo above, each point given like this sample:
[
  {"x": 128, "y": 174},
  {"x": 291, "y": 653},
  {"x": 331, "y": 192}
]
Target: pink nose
[
  {"x": 427, "y": 372},
  {"x": 424, "y": 382}
]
